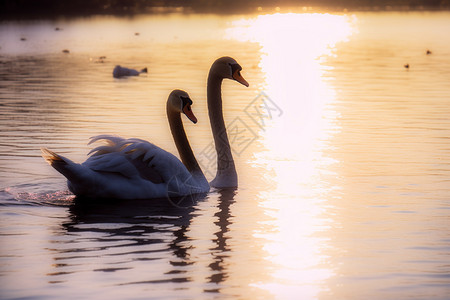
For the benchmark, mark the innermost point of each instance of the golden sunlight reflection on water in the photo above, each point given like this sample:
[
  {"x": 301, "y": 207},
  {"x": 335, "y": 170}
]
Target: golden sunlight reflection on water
[
  {"x": 343, "y": 176},
  {"x": 292, "y": 48}
]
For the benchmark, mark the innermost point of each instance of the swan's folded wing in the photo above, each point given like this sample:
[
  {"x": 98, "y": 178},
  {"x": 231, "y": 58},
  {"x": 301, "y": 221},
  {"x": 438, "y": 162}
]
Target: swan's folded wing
[
  {"x": 112, "y": 163},
  {"x": 135, "y": 159},
  {"x": 152, "y": 157}
]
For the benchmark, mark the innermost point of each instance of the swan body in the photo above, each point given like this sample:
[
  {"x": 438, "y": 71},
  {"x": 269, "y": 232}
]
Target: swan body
[
  {"x": 122, "y": 72},
  {"x": 134, "y": 168}
]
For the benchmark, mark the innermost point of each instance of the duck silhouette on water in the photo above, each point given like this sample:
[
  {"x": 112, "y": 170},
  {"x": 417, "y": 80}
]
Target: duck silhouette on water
[{"x": 119, "y": 72}]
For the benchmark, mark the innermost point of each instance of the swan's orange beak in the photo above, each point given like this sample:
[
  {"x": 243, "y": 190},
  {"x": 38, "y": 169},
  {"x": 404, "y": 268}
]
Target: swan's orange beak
[
  {"x": 238, "y": 77},
  {"x": 188, "y": 112}
]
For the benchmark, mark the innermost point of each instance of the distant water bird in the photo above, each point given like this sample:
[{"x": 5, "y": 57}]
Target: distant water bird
[
  {"x": 121, "y": 72},
  {"x": 406, "y": 66},
  {"x": 66, "y": 51},
  {"x": 134, "y": 168},
  {"x": 101, "y": 59},
  {"x": 136, "y": 33},
  {"x": 429, "y": 52},
  {"x": 57, "y": 29},
  {"x": 23, "y": 39}
]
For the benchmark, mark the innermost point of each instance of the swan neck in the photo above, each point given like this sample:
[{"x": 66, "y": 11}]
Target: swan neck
[
  {"x": 226, "y": 175},
  {"x": 181, "y": 141}
]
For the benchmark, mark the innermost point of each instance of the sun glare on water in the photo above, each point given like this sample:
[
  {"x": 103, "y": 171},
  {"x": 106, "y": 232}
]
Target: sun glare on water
[{"x": 294, "y": 49}]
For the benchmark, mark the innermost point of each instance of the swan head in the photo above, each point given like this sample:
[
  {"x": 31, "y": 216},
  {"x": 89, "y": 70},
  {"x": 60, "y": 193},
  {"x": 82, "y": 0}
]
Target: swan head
[
  {"x": 180, "y": 102},
  {"x": 227, "y": 67}
]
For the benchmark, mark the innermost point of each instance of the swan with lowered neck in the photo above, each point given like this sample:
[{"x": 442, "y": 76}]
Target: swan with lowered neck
[
  {"x": 224, "y": 67},
  {"x": 134, "y": 168}
]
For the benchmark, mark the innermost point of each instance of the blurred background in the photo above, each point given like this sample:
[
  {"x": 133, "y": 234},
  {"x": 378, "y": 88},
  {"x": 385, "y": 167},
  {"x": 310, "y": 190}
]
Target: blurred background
[{"x": 54, "y": 7}]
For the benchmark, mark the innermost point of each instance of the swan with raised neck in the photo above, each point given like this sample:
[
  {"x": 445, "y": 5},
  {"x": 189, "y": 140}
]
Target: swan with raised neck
[{"x": 224, "y": 67}]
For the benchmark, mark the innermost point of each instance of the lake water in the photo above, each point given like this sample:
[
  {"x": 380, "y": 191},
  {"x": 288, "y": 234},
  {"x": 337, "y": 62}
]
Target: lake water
[{"x": 343, "y": 157}]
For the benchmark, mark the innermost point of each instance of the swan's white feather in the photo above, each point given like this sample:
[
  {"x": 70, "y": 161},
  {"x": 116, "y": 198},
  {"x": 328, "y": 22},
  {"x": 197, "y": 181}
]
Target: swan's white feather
[
  {"x": 109, "y": 139},
  {"x": 136, "y": 153},
  {"x": 148, "y": 155},
  {"x": 100, "y": 149},
  {"x": 126, "y": 169},
  {"x": 112, "y": 163}
]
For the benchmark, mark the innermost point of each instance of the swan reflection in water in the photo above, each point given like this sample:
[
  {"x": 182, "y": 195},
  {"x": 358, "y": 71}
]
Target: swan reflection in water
[{"x": 150, "y": 241}]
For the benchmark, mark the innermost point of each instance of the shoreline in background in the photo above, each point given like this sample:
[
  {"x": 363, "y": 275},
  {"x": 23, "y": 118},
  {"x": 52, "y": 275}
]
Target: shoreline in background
[{"x": 28, "y": 9}]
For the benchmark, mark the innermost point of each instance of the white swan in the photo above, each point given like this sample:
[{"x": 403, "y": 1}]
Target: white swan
[
  {"x": 224, "y": 67},
  {"x": 134, "y": 168},
  {"x": 122, "y": 72}
]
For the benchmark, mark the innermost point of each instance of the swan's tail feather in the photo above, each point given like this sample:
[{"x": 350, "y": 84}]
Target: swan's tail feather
[
  {"x": 51, "y": 157},
  {"x": 78, "y": 176},
  {"x": 61, "y": 164}
]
